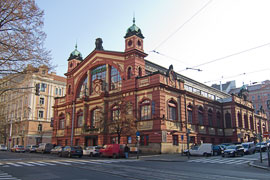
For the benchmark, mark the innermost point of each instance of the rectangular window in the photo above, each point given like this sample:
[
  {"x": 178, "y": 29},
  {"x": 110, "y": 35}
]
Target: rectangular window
[
  {"x": 114, "y": 140},
  {"x": 41, "y": 100},
  {"x": 129, "y": 140},
  {"x": 66, "y": 142},
  {"x": 60, "y": 92},
  {"x": 190, "y": 117},
  {"x": 77, "y": 142},
  {"x": 43, "y": 87},
  {"x": 56, "y": 91},
  {"x": 80, "y": 120},
  {"x": 61, "y": 123},
  {"x": 175, "y": 140},
  {"x": 144, "y": 140},
  {"x": 40, "y": 114}
]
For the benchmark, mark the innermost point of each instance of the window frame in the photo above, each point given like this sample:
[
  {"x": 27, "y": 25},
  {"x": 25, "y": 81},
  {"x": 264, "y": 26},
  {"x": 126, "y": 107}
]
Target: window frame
[
  {"x": 172, "y": 110},
  {"x": 145, "y": 106}
]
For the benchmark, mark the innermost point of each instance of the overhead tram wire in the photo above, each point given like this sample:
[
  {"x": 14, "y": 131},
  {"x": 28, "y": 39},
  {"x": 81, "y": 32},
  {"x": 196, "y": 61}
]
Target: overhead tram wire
[
  {"x": 180, "y": 27},
  {"x": 172, "y": 58},
  {"x": 228, "y": 56},
  {"x": 242, "y": 74}
]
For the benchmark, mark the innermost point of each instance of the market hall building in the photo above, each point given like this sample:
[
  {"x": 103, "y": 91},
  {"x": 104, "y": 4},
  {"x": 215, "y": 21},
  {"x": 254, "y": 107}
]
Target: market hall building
[{"x": 163, "y": 104}]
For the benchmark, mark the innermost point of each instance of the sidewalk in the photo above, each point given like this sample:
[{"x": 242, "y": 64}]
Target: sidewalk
[
  {"x": 258, "y": 164},
  {"x": 164, "y": 157}
]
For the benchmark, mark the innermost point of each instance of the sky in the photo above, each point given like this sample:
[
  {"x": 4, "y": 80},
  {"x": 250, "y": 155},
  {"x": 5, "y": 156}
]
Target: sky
[{"x": 225, "y": 39}]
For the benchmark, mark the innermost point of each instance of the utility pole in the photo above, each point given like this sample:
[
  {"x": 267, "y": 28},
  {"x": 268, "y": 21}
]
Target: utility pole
[
  {"x": 72, "y": 123},
  {"x": 188, "y": 131}
]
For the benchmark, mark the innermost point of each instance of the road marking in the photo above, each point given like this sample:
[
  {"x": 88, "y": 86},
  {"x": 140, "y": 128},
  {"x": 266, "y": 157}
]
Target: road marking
[
  {"x": 13, "y": 164},
  {"x": 75, "y": 162},
  {"x": 46, "y": 163},
  {"x": 36, "y": 163},
  {"x": 26, "y": 164},
  {"x": 58, "y": 162}
]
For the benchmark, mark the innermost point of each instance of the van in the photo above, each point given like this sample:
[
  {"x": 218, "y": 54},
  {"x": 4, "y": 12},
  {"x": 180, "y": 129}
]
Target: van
[
  {"x": 112, "y": 150},
  {"x": 205, "y": 149},
  {"x": 45, "y": 148},
  {"x": 249, "y": 147}
]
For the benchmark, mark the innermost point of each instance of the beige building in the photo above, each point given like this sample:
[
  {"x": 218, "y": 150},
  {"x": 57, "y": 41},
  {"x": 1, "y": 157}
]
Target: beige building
[{"x": 26, "y": 118}]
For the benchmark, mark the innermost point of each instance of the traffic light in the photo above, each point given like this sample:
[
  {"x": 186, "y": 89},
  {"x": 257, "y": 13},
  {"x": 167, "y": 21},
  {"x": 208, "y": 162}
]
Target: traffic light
[{"x": 37, "y": 90}]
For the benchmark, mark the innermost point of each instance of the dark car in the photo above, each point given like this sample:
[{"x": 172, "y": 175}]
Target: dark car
[
  {"x": 70, "y": 151},
  {"x": 57, "y": 150},
  {"x": 217, "y": 150},
  {"x": 233, "y": 150},
  {"x": 262, "y": 145}
]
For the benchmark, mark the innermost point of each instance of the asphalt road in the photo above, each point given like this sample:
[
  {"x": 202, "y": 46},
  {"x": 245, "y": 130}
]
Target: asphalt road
[{"x": 27, "y": 166}]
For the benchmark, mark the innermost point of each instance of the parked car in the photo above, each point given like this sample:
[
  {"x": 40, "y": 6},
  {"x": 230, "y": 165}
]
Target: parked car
[
  {"x": 112, "y": 150},
  {"x": 71, "y": 151},
  {"x": 31, "y": 148},
  {"x": 91, "y": 151},
  {"x": 262, "y": 145},
  {"x": 18, "y": 148},
  {"x": 205, "y": 149},
  {"x": 57, "y": 150},
  {"x": 233, "y": 150},
  {"x": 3, "y": 147},
  {"x": 45, "y": 148},
  {"x": 217, "y": 150},
  {"x": 249, "y": 147}
]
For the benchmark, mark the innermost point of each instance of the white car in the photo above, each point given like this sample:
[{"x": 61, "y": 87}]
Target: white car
[
  {"x": 3, "y": 147},
  {"x": 205, "y": 149},
  {"x": 91, "y": 151}
]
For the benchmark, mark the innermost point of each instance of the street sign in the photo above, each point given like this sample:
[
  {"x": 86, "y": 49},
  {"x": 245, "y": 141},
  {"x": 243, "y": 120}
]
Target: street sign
[
  {"x": 266, "y": 134},
  {"x": 137, "y": 133}
]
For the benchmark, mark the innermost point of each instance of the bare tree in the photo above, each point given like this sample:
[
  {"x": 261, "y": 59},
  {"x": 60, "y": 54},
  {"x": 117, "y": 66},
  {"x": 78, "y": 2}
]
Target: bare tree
[{"x": 21, "y": 36}]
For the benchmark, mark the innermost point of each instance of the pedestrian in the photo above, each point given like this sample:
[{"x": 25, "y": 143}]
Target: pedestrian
[{"x": 126, "y": 150}]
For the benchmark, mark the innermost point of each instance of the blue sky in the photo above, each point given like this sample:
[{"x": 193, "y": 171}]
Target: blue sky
[{"x": 221, "y": 29}]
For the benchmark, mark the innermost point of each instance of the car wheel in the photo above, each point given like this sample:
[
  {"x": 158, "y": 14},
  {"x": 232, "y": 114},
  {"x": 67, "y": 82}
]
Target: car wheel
[
  {"x": 91, "y": 154},
  {"x": 215, "y": 153},
  {"x": 114, "y": 156},
  {"x": 242, "y": 154},
  {"x": 205, "y": 154}
]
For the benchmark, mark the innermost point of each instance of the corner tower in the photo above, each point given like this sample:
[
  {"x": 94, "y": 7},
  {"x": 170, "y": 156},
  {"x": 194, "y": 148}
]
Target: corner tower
[
  {"x": 133, "y": 38},
  {"x": 74, "y": 59}
]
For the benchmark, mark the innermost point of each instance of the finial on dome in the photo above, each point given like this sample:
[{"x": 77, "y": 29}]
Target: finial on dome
[{"x": 133, "y": 17}]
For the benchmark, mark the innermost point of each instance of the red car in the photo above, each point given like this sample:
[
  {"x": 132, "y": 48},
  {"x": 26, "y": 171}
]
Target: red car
[{"x": 112, "y": 150}]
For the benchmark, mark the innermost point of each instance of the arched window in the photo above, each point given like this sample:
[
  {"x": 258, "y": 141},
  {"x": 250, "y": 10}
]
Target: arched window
[
  {"x": 172, "y": 109},
  {"x": 115, "y": 113},
  {"x": 80, "y": 119},
  {"x": 129, "y": 73},
  {"x": 246, "y": 121},
  {"x": 219, "y": 124},
  {"x": 210, "y": 117},
  {"x": 259, "y": 127},
  {"x": 228, "y": 120},
  {"x": 200, "y": 115},
  {"x": 95, "y": 115},
  {"x": 190, "y": 116},
  {"x": 264, "y": 127},
  {"x": 251, "y": 122},
  {"x": 116, "y": 80},
  {"x": 83, "y": 88},
  {"x": 98, "y": 73},
  {"x": 62, "y": 121},
  {"x": 145, "y": 108},
  {"x": 239, "y": 116},
  {"x": 140, "y": 71}
]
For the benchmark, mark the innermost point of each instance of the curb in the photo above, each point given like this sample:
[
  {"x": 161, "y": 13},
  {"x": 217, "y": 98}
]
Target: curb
[
  {"x": 258, "y": 166},
  {"x": 164, "y": 160}
]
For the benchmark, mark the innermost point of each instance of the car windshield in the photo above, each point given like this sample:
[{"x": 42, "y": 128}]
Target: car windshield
[
  {"x": 34, "y": 146},
  {"x": 20, "y": 146},
  {"x": 195, "y": 148},
  {"x": 245, "y": 145},
  {"x": 261, "y": 144},
  {"x": 230, "y": 147}
]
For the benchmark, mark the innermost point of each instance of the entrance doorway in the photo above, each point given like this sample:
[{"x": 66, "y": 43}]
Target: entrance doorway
[{"x": 91, "y": 140}]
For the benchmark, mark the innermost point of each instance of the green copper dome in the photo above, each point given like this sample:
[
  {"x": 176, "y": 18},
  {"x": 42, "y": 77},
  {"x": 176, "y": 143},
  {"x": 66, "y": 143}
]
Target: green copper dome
[
  {"x": 75, "y": 54},
  {"x": 134, "y": 30}
]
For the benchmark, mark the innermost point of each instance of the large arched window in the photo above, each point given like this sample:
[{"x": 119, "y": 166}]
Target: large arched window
[
  {"x": 80, "y": 119},
  {"x": 83, "y": 88},
  {"x": 219, "y": 124},
  {"x": 239, "y": 116},
  {"x": 172, "y": 110},
  {"x": 210, "y": 117},
  {"x": 62, "y": 121},
  {"x": 251, "y": 122},
  {"x": 190, "y": 116},
  {"x": 246, "y": 121},
  {"x": 115, "y": 113},
  {"x": 98, "y": 73},
  {"x": 228, "y": 120},
  {"x": 200, "y": 115},
  {"x": 116, "y": 80},
  {"x": 95, "y": 115},
  {"x": 129, "y": 73},
  {"x": 145, "y": 109}
]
